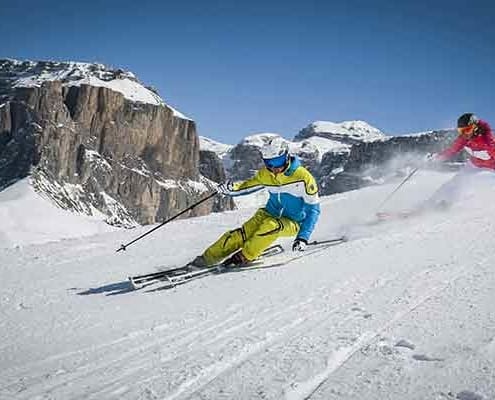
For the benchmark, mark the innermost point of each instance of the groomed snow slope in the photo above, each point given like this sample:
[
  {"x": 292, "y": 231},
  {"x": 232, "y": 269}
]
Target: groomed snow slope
[
  {"x": 404, "y": 310},
  {"x": 27, "y": 218}
]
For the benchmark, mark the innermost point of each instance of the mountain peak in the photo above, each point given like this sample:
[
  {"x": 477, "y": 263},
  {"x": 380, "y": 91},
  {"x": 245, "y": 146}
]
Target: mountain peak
[
  {"x": 345, "y": 131},
  {"x": 17, "y": 73}
]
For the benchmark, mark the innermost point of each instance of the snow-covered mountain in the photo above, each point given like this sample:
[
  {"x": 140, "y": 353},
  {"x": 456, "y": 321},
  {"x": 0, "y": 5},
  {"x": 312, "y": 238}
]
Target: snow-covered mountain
[
  {"x": 96, "y": 141},
  {"x": 348, "y": 132},
  {"x": 207, "y": 144},
  {"x": 403, "y": 310},
  {"x": 35, "y": 73}
]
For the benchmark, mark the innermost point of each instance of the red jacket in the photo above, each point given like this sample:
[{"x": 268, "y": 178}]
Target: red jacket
[{"x": 480, "y": 147}]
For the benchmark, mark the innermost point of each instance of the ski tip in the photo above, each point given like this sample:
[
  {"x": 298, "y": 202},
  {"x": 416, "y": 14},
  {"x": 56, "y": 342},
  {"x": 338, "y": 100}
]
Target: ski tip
[{"x": 132, "y": 283}]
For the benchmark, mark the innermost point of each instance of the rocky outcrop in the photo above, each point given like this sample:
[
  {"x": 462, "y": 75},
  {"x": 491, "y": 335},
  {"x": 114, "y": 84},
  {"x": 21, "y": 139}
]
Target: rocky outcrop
[
  {"x": 91, "y": 146},
  {"x": 211, "y": 166}
]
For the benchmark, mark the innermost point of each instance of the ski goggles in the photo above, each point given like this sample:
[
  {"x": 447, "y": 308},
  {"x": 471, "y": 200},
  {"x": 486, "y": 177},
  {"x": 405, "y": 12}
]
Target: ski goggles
[
  {"x": 276, "y": 162},
  {"x": 466, "y": 130}
]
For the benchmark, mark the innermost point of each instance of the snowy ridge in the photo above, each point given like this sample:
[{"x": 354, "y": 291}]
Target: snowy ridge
[
  {"x": 208, "y": 144},
  {"x": 319, "y": 146},
  {"x": 357, "y": 130},
  {"x": 33, "y": 74},
  {"x": 258, "y": 139}
]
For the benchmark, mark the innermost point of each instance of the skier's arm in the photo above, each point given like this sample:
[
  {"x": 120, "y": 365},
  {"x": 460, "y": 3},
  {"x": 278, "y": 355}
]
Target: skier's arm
[
  {"x": 311, "y": 208},
  {"x": 453, "y": 149},
  {"x": 246, "y": 187}
]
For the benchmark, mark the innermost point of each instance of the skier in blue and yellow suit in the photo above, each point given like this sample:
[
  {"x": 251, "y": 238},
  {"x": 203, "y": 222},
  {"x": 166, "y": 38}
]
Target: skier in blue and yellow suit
[{"x": 292, "y": 209}]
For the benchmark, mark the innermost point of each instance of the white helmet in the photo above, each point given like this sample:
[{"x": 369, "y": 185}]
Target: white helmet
[{"x": 275, "y": 153}]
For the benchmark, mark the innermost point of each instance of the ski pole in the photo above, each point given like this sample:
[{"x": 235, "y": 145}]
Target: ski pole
[
  {"x": 328, "y": 241},
  {"x": 124, "y": 246},
  {"x": 397, "y": 188}
]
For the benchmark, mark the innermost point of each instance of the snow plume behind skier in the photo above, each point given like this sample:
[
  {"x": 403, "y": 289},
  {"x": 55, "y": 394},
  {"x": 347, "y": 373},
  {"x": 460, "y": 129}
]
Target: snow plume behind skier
[{"x": 292, "y": 209}]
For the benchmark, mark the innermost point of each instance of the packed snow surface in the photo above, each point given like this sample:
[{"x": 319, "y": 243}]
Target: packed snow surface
[{"x": 403, "y": 310}]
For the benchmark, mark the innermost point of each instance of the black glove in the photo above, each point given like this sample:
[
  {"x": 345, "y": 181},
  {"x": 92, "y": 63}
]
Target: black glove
[
  {"x": 226, "y": 188},
  {"x": 299, "y": 244}
]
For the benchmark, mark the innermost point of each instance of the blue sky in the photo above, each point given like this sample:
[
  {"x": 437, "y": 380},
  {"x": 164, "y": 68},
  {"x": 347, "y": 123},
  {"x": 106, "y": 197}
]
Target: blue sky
[{"x": 275, "y": 66}]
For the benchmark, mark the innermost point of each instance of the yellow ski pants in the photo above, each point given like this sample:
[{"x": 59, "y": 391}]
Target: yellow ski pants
[{"x": 253, "y": 237}]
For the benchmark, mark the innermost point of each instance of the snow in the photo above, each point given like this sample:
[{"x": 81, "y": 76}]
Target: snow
[
  {"x": 197, "y": 186},
  {"x": 208, "y": 144},
  {"x": 357, "y": 129},
  {"x": 94, "y": 156},
  {"x": 27, "y": 218},
  {"x": 323, "y": 326},
  {"x": 259, "y": 139},
  {"x": 319, "y": 145},
  {"x": 178, "y": 114},
  {"x": 167, "y": 183},
  {"x": 131, "y": 90},
  {"x": 78, "y": 73}
]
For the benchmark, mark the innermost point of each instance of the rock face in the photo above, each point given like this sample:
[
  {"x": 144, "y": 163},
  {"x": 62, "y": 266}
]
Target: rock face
[
  {"x": 96, "y": 140},
  {"x": 211, "y": 166}
]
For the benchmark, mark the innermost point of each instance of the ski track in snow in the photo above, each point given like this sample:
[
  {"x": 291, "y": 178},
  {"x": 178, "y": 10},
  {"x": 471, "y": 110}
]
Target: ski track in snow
[{"x": 321, "y": 327}]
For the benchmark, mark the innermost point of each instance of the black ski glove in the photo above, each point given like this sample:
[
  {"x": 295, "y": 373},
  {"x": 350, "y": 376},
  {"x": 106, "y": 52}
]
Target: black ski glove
[
  {"x": 226, "y": 188},
  {"x": 299, "y": 244}
]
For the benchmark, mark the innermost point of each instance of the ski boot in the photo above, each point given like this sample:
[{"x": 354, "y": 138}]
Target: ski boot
[
  {"x": 197, "y": 264},
  {"x": 236, "y": 260}
]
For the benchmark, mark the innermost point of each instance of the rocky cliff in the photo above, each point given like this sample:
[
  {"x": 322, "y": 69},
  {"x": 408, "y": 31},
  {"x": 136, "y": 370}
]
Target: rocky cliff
[{"x": 95, "y": 140}]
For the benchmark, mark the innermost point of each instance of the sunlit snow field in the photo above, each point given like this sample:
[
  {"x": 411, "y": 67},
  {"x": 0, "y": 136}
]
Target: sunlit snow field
[{"x": 403, "y": 310}]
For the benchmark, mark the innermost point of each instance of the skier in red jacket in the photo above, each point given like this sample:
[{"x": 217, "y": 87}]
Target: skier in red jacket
[{"x": 475, "y": 136}]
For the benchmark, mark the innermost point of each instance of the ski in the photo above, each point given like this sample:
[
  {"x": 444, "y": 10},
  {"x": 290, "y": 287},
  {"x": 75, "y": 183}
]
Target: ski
[
  {"x": 181, "y": 275},
  {"x": 182, "y": 272},
  {"x": 261, "y": 263},
  {"x": 337, "y": 240}
]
